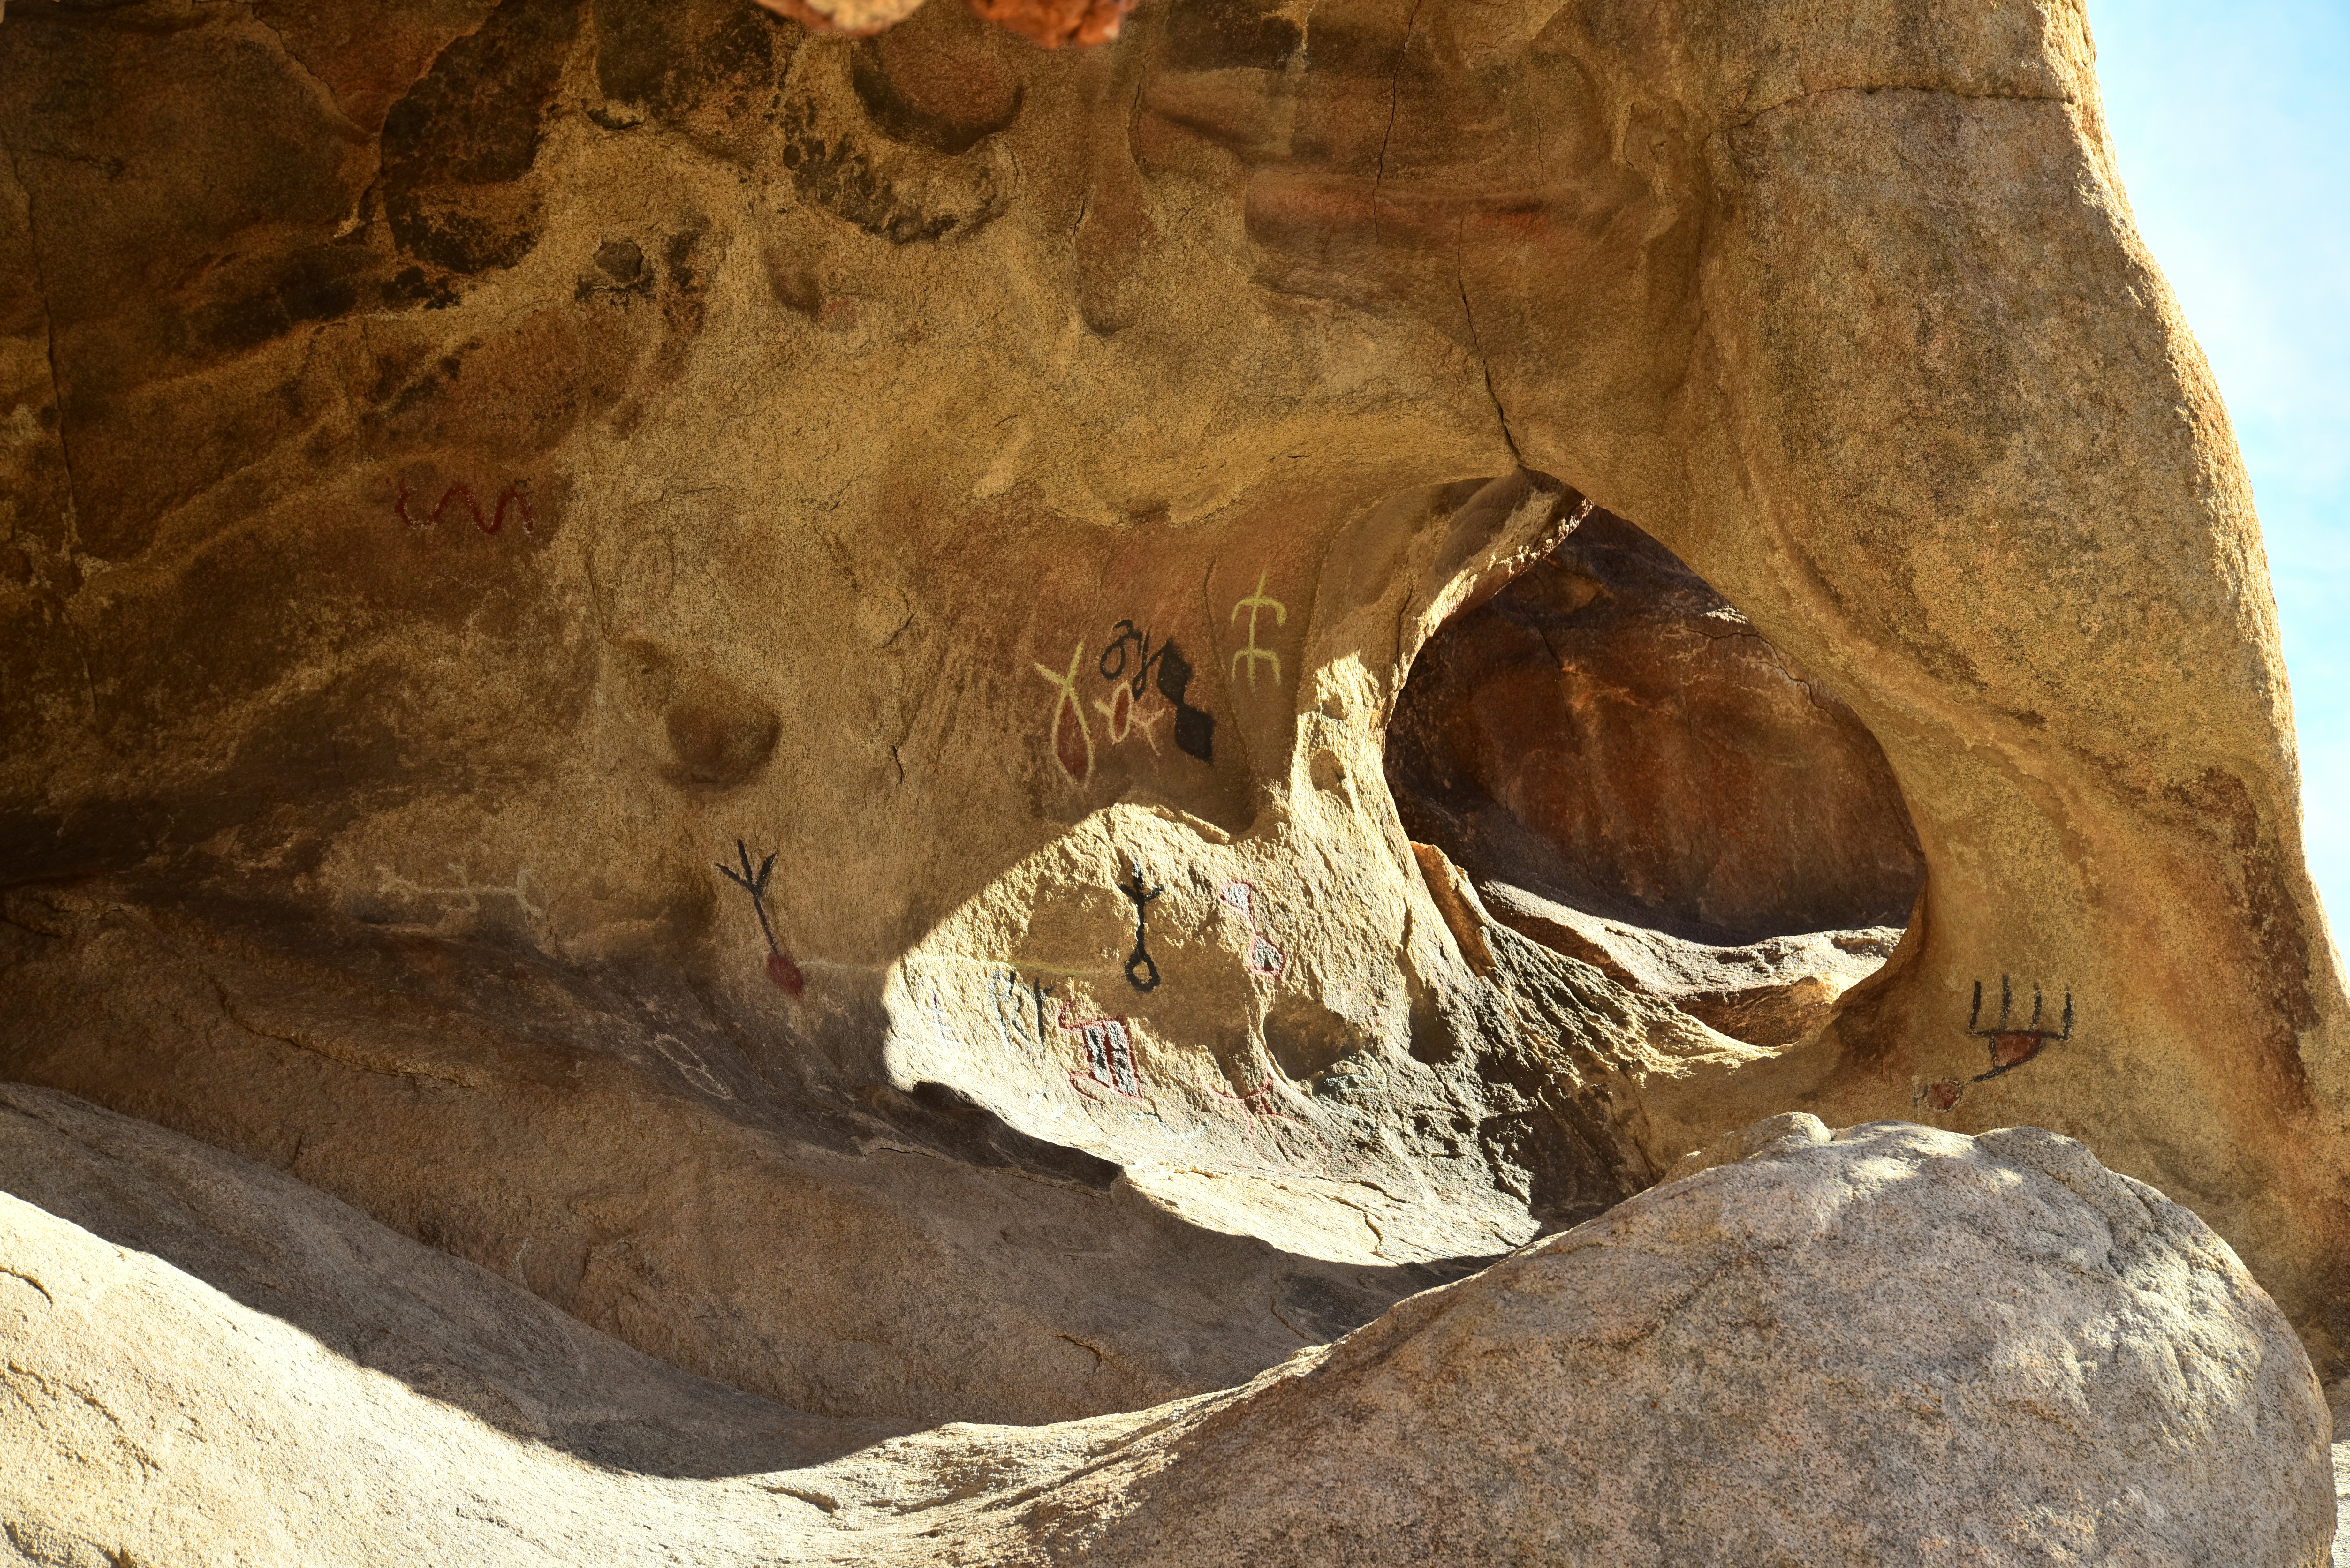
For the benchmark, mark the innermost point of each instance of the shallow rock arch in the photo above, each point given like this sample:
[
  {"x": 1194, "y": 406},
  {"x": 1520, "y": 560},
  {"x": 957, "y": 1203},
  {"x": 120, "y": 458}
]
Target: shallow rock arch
[{"x": 1009, "y": 488}]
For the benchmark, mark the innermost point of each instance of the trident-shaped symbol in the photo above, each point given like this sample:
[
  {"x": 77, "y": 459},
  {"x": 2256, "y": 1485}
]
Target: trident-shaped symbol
[
  {"x": 1256, "y": 604},
  {"x": 2010, "y": 1046},
  {"x": 781, "y": 969},
  {"x": 755, "y": 884}
]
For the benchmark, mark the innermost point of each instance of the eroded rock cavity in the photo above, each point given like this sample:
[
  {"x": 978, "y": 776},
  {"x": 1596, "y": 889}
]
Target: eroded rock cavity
[{"x": 1630, "y": 774}]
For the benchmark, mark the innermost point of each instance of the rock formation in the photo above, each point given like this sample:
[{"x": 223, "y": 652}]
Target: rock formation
[
  {"x": 1627, "y": 774},
  {"x": 1609, "y": 734},
  {"x": 743, "y": 675},
  {"x": 1896, "y": 1346}
]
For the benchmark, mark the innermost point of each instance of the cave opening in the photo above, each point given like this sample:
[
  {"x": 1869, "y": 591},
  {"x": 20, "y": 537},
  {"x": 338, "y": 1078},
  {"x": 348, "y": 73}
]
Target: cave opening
[{"x": 1630, "y": 774}]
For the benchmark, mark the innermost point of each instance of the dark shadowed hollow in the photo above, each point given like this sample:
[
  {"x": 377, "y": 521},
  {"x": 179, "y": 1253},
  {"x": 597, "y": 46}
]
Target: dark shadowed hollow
[{"x": 1611, "y": 735}]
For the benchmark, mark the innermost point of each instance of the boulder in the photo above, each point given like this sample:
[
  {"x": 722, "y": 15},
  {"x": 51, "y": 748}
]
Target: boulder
[
  {"x": 209, "y": 1361},
  {"x": 1891, "y": 1346}
]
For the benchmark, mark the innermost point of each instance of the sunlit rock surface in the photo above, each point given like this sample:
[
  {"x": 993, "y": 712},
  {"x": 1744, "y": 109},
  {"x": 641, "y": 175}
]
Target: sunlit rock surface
[
  {"x": 744, "y": 677},
  {"x": 1896, "y": 1346}
]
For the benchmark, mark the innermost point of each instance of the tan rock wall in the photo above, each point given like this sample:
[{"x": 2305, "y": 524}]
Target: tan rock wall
[{"x": 471, "y": 467}]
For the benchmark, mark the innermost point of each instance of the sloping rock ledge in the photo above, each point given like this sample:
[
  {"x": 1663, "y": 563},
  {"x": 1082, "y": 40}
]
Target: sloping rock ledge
[{"x": 1891, "y": 1345}]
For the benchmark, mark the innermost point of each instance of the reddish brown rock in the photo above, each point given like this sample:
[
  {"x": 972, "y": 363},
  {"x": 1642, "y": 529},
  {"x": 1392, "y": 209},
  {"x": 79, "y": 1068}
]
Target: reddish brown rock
[
  {"x": 1055, "y": 23},
  {"x": 1607, "y": 732},
  {"x": 857, "y": 18}
]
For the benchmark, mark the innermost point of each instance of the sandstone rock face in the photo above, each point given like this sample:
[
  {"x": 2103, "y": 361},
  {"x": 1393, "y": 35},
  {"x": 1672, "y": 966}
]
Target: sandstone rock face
[
  {"x": 1609, "y": 734},
  {"x": 598, "y": 1149},
  {"x": 212, "y": 1362},
  {"x": 1896, "y": 1345},
  {"x": 743, "y": 676}
]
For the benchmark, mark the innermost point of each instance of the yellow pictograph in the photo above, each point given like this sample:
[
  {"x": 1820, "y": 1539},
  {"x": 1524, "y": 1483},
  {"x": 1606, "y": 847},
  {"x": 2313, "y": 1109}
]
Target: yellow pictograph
[{"x": 1257, "y": 603}]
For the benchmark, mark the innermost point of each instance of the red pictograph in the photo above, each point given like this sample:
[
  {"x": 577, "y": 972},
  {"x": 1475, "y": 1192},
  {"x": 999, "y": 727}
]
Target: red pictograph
[
  {"x": 1110, "y": 1053},
  {"x": 516, "y": 496}
]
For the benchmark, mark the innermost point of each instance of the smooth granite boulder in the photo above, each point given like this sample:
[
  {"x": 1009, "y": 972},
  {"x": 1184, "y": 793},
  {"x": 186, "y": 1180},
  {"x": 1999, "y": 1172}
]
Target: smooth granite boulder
[{"x": 1893, "y": 1347}]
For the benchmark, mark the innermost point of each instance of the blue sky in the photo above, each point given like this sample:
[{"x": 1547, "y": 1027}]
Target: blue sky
[{"x": 2231, "y": 121}]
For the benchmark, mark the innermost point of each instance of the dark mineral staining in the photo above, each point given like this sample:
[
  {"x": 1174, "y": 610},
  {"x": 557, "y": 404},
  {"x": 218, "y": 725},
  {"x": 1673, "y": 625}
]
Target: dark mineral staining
[
  {"x": 474, "y": 118},
  {"x": 915, "y": 92},
  {"x": 720, "y": 745},
  {"x": 459, "y": 139},
  {"x": 840, "y": 178},
  {"x": 795, "y": 287},
  {"x": 1225, "y": 34},
  {"x": 318, "y": 283},
  {"x": 679, "y": 253},
  {"x": 621, "y": 260},
  {"x": 620, "y": 272},
  {"x": 707, "y": 68},
  {"x": 410, "y": 286}
]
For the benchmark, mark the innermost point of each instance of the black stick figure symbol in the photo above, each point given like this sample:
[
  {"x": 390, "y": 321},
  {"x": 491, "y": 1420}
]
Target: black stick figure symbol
[
  {"x": 1142, "y": 959},
  {"x": 755, "y": 884},
  {"x": 781, "y": 969}
]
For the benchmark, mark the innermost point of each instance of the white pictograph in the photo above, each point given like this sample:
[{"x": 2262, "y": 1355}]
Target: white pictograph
[{"x": 464, "y": 894}]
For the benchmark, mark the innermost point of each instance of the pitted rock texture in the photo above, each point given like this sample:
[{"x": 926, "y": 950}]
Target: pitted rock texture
[{"x": 1892, "y": 1346}]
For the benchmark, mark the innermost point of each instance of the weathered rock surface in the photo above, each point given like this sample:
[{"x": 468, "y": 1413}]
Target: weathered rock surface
[
  {"x": 2341, "y": 1502},
  {"x": 605, "y": 1147},
  {"x": 1896, "y": 1346},
  {"x": 1899, "y": 1346},
  {"x": 743, "y": 675},
  {"x": 1775, "y": 992},
  {"x": 1624, "y": 770},
  {"x": 1609, "y": 733}
]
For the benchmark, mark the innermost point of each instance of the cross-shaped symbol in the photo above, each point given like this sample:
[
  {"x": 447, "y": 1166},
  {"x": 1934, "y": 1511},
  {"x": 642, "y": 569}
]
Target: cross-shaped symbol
[{"x": 1257, "y": 603}]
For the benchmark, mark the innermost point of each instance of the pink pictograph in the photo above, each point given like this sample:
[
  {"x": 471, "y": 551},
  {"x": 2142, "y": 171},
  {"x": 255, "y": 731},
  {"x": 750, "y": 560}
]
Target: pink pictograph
[{"x": 1264, "y": 957}]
